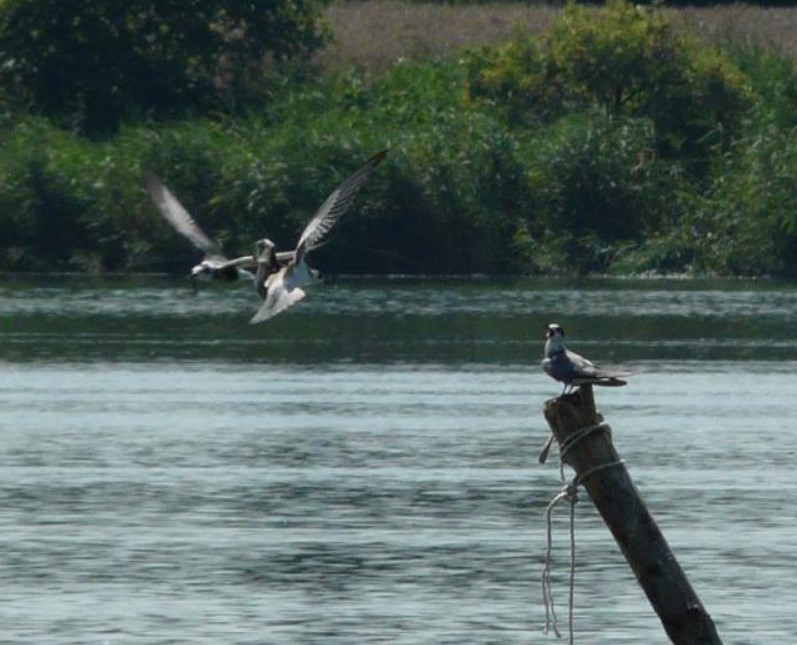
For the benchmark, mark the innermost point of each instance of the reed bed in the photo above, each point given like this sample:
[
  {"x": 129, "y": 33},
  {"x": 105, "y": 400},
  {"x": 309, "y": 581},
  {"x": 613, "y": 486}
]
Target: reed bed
[{"x": 374, "y": 33}]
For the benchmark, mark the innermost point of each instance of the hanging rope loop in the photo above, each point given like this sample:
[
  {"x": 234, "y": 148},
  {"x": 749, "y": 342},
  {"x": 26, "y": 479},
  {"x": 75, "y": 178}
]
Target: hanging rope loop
[{"x": 569, "y": 493}]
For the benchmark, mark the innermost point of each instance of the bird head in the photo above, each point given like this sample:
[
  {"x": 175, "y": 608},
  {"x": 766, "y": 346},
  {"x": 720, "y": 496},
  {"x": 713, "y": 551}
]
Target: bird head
[
  {"x": 264, "y": 249},
  {"x": 555, "y": 339},
  {"x": 554, "y": 331},
  {"x": 201, "y": 270}
]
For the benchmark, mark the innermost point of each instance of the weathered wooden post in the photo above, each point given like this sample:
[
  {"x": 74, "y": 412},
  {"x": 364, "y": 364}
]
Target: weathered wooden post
[{"x": 585, "y": 444}]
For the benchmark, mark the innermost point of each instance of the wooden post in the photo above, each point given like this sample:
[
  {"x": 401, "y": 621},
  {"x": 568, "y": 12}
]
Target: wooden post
[{"x": 606, "y": 480}]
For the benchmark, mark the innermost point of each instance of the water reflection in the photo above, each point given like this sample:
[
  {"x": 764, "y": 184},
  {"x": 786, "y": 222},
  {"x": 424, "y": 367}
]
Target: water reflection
[
  {"x": 363, "y": 468},
  {"x": 398, "y": 321}
]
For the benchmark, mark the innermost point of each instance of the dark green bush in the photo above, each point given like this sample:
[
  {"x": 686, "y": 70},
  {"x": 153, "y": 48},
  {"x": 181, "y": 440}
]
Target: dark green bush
[
  {"x": 94, "y": 63},
  {"x": 752, "y": 229},
  {"x": 596, "y": 187}
]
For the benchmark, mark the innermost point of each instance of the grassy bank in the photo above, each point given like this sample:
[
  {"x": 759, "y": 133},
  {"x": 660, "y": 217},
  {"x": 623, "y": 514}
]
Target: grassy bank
[
  {"x": 375, "y": 33},
  {"x": 468, "y": 185}
]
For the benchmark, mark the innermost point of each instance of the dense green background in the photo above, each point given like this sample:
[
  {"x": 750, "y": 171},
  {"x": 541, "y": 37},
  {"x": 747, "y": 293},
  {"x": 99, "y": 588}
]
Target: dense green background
[{"x": 612, "y": 143}]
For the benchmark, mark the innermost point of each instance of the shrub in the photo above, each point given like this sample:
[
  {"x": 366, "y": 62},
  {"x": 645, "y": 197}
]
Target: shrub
[
  {"x": 96, "y": 62},
  {"x": 627, "y": 60},
  {"x": 42, "y": 222},
  {"x": 753, "y": 222},
  {"x": 596, "y": 187}
]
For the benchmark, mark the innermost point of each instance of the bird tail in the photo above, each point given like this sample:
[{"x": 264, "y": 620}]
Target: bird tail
[{"x": 610, "y": 381}]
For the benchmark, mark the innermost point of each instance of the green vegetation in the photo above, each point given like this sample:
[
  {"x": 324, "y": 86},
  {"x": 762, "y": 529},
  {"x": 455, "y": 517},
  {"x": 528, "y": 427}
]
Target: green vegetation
[
  {"x": 95, "y": 63},
  {"x": 611, "y": 143},
  {"x": 628, "y": 61},
  {"x": 659, "y": 153}
]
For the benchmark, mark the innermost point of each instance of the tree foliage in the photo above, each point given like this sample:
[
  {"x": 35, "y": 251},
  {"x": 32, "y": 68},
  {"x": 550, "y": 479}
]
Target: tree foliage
[
  {"x": 587, "y": 187},
  {"x": 627, "y": 60},
  {"x": 98, "y": 61}
]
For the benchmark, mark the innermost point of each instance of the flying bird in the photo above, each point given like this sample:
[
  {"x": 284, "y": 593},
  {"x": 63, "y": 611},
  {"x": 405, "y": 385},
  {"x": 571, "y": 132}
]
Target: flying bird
[
  {"x": 573, "y": 369},
  {"x": 281, "y": 286},
  {"x": 215, "y": 266}
]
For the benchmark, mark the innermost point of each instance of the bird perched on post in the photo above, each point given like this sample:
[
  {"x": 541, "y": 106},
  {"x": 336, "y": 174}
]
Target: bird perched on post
[
  {"x": 573, "y": 369},
  {"x": 282, "y": 287}
]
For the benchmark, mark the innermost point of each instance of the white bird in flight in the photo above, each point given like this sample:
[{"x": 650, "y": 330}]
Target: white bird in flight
[
  {"x": 281, "y": 286},
  {"x": 573, "y": 369},
  {"x": 215, "y": 266}
]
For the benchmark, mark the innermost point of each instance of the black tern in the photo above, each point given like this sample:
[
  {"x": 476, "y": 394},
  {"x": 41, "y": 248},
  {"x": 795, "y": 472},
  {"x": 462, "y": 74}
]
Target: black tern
[
  {"x": 573, "y": 369},
  {"x": 215, "y": 266},
  {"x": 281, "y": 287}
]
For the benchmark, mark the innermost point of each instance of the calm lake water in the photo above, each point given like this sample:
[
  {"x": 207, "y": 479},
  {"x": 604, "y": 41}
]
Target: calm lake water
[{"x": 363, "y": 468}]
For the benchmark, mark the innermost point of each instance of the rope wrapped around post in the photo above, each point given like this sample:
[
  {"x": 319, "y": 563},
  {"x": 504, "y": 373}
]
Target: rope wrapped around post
[{"x": 586, "y": 445}]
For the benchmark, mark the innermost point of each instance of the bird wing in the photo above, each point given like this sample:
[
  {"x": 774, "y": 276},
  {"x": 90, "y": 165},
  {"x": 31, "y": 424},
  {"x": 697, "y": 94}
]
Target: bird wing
[
  {"x": 582, "y": 366},
  {"x": 279, "y": 297},
  {"x": 584, "y": 369},
  {"x": 245, "y": 265},
  {"x": 244, "y": 262},
  {"x": 334, "y": 206},
  {"x": 179, "y": 217}
]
